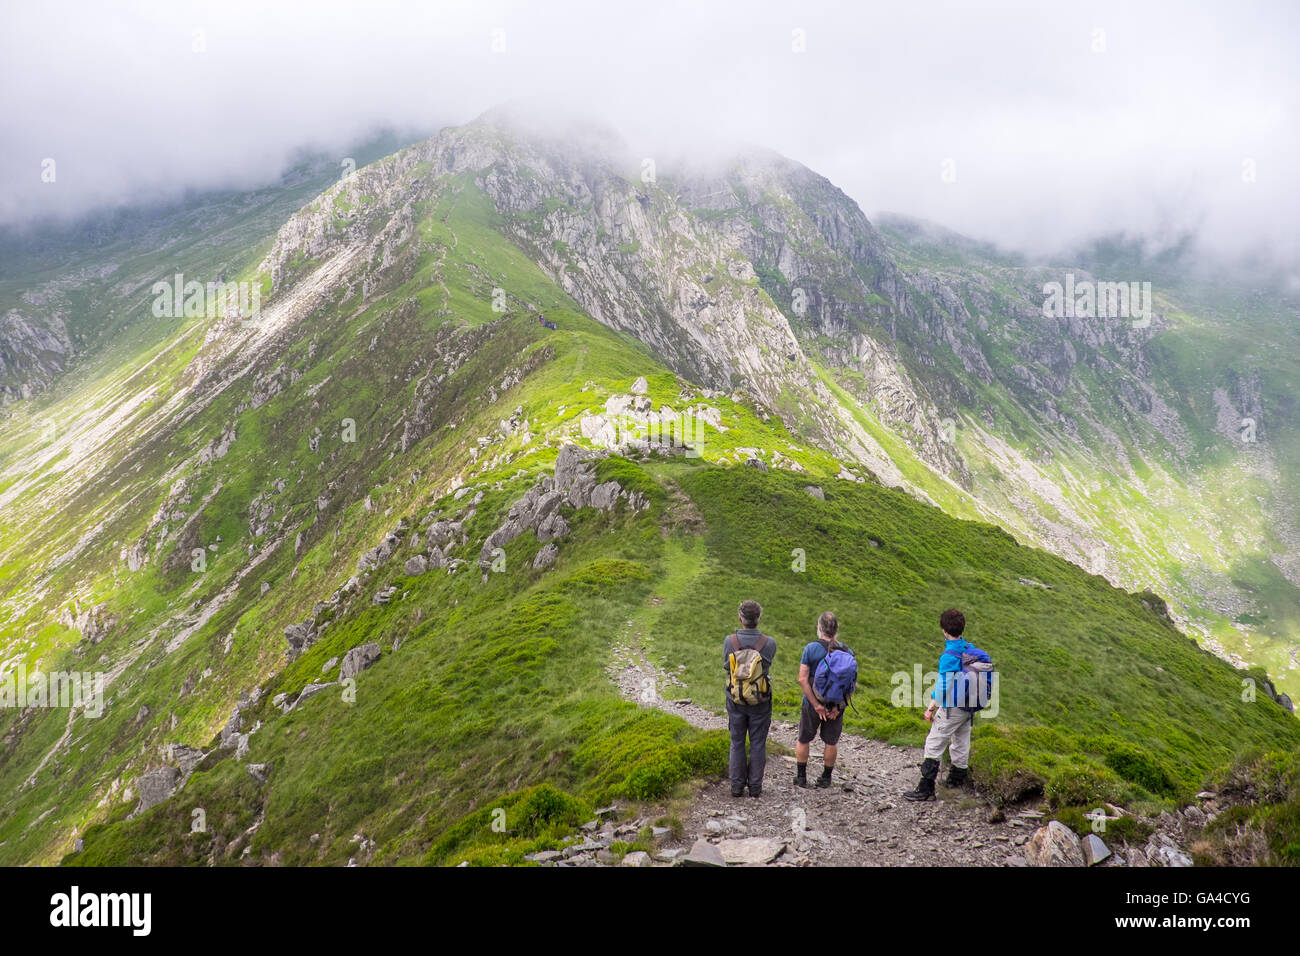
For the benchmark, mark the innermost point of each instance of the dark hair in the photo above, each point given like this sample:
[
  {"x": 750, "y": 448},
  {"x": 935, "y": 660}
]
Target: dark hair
[
  {"x": 750, "y": 612},
  {"x": 953, "y": 622},
  {"x": 826, "y": 624}
]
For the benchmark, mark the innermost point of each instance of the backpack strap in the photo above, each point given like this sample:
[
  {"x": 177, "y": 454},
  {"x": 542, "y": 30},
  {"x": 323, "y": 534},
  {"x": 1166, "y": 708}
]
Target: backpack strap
[{"x": 734, "y": 639}]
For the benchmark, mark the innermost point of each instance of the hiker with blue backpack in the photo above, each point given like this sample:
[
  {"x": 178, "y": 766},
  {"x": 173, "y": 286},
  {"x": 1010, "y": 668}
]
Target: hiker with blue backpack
[
  {"x": 828, "y": 674},
  {"x": 963, "y": 688}
]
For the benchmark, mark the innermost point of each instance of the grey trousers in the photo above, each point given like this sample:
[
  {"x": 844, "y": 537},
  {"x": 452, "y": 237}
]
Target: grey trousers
[
  {"x": 754, "y": 721},
  {"x": 951, "y": 729}
]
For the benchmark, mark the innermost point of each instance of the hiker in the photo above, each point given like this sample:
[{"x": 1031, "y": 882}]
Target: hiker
[
  {"x": 828, "y": 673},
  {"x": 950, "y": 725},
  {"x": 747, "y": 656}
]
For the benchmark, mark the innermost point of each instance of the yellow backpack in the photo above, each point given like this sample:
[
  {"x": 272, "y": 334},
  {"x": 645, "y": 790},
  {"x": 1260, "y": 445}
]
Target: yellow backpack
[{"x": 746, "y": 682}]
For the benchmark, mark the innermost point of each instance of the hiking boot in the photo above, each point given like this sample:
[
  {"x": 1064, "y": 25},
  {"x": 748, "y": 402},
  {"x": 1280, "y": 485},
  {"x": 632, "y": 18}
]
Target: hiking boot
[
  {"x": 755, "y": 791},
  {"x": 925, "y": 789},
  {"x": 956, "y": 777},
  {"x": 800, "y": 780},
  {"x": 737, "y": 791},
  {"x": 823, "y": 781}
]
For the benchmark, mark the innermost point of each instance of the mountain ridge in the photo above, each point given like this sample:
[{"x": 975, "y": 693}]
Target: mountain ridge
[{"x": 380, "y": 322}]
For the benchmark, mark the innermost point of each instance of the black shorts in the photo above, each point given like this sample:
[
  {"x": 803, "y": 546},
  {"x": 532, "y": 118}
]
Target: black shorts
[{"x": 810, "y": 724}]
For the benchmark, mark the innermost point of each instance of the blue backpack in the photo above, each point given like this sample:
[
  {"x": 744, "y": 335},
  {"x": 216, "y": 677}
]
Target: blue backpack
[
  {"x": 837, "y": 676},
  {"x": 971, "y": 688}
]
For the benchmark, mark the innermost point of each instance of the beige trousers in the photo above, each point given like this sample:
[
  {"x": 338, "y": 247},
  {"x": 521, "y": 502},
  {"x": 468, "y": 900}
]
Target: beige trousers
[{"x": 951, "y": 729}]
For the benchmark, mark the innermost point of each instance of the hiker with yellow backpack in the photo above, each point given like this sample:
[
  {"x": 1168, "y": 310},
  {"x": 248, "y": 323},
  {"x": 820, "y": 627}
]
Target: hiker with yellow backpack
[{"x": 747, "y": 656}]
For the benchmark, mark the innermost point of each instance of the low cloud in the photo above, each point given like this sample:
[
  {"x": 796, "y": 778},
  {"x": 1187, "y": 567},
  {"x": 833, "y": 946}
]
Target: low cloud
[{"x": 1034, "y": 126}]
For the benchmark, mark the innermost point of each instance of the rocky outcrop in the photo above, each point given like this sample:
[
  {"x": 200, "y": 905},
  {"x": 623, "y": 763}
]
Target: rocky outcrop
[
  {"x": 358, "y": 659},
  {"x": 573, "y": 485},
  {"x": 300, "y": 637},
  {"x": 156, "y": 786},
  {"x": 93, "y": 622}
]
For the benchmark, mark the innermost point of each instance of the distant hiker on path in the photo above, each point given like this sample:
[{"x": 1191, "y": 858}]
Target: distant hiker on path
[
  {"x": 950, "y": 725},
  {"x": 828, "y": 673},
  {"x": 747, "y": 656}
]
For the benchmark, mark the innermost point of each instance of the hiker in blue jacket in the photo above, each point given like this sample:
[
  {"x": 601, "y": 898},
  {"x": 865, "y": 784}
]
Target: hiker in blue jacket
[
  {"x": 950, "y": 724},
  {"x": 816, "y": 715}
]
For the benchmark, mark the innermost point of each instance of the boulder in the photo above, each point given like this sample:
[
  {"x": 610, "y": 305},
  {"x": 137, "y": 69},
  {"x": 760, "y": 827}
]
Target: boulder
[
  {"x": 378, "y": 554},
  {"x": 358, "y": 659},
  {"x": 1162, "y": 851},
  {"x": 636, "y": 858},
  {"x": 186, "y": 758},
  {"x": 815, "y": 492},
  {"x": 311, "y": 690},
  {"x": 546, "y": 557},
  {"x": 703, "y": 853},
  {"x": 300, "y": 637},
  {"x": 416, "y": 565},
  {"x": 752, "y": 851},
  {"x": 756, "y": 463},
  {"x": 544, "y": 856},
  {"x": 598, "y": 430},
  {"x": 258, "y": 771},
  {"x": 617, "y": 405},
  {"x": 1094, "y": 849},
  {"x": 156, "y": 786},
  {"x": 640, "y": 386},
  {"x": 233, "y": 726},
  {"x": 1054, "y": 845}
]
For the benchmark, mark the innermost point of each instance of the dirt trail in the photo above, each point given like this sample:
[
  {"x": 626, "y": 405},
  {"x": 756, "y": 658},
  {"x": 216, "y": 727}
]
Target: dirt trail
[{"x": 862, "y": 820}]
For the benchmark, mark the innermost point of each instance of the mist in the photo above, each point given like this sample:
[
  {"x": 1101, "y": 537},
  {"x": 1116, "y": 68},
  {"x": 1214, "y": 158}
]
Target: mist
[{"x": 1032, "y": 126}]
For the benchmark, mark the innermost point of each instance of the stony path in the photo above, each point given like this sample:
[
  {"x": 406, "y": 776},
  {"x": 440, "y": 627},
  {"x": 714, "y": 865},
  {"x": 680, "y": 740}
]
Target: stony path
[{"x": 860, "y": 821}]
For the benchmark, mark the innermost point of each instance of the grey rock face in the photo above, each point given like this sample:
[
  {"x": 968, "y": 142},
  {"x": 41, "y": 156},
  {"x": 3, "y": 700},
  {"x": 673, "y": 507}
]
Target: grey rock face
[
  {"x": 416, "y": 565},
  {"x": 546, "y": 557}
]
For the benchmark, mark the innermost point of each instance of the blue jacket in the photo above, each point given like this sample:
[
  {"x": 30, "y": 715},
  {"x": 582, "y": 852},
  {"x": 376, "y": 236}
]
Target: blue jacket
[{"x": 949, "y": 663}]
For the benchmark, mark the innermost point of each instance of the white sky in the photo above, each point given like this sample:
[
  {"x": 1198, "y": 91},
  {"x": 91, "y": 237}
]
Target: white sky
[{"x": 1052, "y": 142}]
